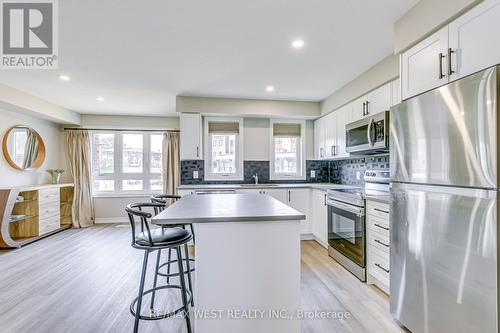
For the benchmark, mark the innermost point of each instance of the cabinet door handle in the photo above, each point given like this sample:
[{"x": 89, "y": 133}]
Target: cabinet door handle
[
  {"x": 381, "y": 210},
  {"x": 450, "y": 67},
  {"x": 440, "y": 58},
  {"x": 334, "y": 150},
  {"x": 364, "y": 110},
  {"x": 382, "y": 268},
  {"x": 289, "y": 196},
  {"x": 325, "y": 200},
  {"x": 381, "y": 226},
  {"x": 367, "y": 112},
  {"x": 197, "y": 151},
  {"x": 381, "y": 243}
]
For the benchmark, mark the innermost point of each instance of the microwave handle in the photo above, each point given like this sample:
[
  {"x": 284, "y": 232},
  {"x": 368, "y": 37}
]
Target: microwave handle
[{"x": 368, "y": 132}]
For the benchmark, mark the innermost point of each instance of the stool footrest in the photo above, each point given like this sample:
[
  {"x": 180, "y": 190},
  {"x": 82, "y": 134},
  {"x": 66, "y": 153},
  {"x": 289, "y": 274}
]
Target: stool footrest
[
  {"x": 163, "y": 316},
  {"x": 175, "y": 274}
]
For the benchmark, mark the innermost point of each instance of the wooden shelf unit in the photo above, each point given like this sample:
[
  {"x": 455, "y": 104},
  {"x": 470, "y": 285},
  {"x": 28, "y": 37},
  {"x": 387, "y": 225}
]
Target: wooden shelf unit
[{"x": 48, "y": 209}]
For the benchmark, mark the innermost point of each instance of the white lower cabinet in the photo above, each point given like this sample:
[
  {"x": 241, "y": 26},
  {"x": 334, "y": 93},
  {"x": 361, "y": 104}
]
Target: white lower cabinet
[
  {"x": 378, "y": 244},
  {"x": 319, "y": 217},
  {"x": 299, "y": 199}
]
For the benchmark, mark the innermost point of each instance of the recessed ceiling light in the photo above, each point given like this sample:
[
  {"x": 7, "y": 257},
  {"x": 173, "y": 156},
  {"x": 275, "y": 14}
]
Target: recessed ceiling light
[
  {"x": 269, "y": 88},
  {"x": 100, "y": 99},
  {"x": 298, "y": 44},
  {"x": 64, "y": 77}
]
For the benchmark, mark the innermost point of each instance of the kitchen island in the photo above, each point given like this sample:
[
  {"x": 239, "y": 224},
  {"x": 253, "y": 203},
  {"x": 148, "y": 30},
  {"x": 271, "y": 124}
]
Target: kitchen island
[{"x": 247, "y": 276}]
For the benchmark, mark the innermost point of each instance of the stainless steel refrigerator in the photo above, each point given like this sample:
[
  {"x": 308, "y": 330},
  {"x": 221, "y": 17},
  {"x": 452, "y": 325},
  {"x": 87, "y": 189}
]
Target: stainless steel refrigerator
[{"x": 444, "y": 187}]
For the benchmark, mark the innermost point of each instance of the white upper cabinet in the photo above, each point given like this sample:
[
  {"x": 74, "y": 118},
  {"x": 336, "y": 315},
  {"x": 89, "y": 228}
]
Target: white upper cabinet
[
  {"x": 319, "y": 139},
  {"x": 396, "y": 92},
  {"x": 343, "y": 118},
  {"x": 423, "y": 67},
  {"x": 465, "y": 46},
  {"x": 376, "y": 101},
  {"x": 330, "y": 124},
  {"x": 474, "y": 39},
  {"x": 358, "y": 108},
  {"x": 379, "y": 100},
  {"x": 191, "y": 136}
]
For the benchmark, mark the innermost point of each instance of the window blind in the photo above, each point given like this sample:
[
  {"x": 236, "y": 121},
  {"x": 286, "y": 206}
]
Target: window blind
[
  {"x": 286, "y": 130},
  {"x": 223, "y": 127}
]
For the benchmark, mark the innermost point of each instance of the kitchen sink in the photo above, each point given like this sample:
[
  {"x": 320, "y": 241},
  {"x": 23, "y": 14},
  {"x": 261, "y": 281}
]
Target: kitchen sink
[{"x": 258, "y": 185}]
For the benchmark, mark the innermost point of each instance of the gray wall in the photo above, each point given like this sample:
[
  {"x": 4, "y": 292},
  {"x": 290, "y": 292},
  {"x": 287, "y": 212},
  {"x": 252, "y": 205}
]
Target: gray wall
[
  {"x": 129, "y": 122},
  {"x": 381, "y": 73},
  {"x": 247, "y": 107},
  {"x": 426, "y": 17}
]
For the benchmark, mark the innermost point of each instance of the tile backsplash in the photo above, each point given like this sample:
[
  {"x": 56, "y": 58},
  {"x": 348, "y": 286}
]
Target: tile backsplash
[
  {"x": 337, "y": 171},
  {"x": 347, "y": 171}
]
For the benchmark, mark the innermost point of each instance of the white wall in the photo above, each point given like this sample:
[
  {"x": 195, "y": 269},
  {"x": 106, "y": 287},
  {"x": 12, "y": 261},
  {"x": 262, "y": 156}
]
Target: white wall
[
  {"x": 51, "y": 136},
  {"x": 426, "y": 17}
]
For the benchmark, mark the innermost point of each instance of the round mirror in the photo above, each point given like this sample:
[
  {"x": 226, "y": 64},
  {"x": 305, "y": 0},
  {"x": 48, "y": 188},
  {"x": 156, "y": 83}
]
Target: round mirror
[{"x": 23, "y": 148}]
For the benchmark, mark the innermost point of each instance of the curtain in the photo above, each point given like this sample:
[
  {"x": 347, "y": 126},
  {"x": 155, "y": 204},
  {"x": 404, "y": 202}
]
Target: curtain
[
  {"x": 171, "y": 162},
  {"x": 78, "y": 143},
  {"x": 30, "y": 149}
]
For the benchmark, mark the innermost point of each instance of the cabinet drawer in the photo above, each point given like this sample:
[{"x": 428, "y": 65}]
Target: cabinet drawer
[
  {"x": 377, "y": 209},
  {"x": 378, "y": 264},
  {"x": 46, "y": 195},
  {"x": 49, "y": 209},
  {"x": 49, "y": 224},
  {"x": 378, "y": 224},
  {"x": 378, "y": 240}
]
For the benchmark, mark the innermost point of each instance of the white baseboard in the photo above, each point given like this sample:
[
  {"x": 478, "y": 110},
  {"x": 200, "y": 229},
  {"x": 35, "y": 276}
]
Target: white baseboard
[
  {"x": 100, "y": 220},
  {"x": 320, "y": 242},
  {"x": 307, "y": 236}
]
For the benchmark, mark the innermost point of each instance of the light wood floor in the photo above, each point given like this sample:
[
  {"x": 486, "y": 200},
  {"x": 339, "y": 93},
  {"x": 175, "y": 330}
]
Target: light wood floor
[{"x": 84, "y": 280}]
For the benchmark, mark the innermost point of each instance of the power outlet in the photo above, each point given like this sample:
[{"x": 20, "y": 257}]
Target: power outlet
[
  {"x": 195, "y": 175},
  {"x": 313, "y": 173},
  {"x": 358, "y": 175}
]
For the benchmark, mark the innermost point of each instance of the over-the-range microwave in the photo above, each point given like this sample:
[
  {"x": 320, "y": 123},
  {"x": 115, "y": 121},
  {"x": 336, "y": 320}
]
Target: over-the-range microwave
[{"x": 369, "y": 135}]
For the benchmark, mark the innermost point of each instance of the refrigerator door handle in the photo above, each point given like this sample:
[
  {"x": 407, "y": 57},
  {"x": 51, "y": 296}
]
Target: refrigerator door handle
[{"x": 460, "y": 191}]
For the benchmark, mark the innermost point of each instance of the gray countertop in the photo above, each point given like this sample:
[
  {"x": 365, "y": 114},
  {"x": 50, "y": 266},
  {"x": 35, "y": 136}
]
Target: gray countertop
[
  {"x": 227, "y": 208},
  {"x": 319, "y": 186}
]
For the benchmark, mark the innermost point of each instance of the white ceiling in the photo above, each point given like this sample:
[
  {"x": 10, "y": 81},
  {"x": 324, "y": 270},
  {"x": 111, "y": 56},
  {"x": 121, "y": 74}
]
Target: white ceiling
[{"x": 139, "y": 55}]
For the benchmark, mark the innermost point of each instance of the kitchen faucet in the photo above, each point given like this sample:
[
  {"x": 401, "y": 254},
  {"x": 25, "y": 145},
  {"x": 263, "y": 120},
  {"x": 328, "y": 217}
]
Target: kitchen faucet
[{"x": 256, "y": 177}]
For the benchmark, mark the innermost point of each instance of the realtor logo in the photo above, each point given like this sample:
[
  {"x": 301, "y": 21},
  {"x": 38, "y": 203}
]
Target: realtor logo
[{"x": 29, "y": 34}]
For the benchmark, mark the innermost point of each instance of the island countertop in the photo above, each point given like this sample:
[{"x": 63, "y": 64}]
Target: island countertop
[{"x": 227, "y": 208}]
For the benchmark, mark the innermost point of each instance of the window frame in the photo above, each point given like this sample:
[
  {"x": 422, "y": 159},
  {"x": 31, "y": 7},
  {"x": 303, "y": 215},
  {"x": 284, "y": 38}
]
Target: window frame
[
  {"x": 301, "y": 152},
  {"x": 209, "y": 175},
  {"x": 118, "y": 176}
]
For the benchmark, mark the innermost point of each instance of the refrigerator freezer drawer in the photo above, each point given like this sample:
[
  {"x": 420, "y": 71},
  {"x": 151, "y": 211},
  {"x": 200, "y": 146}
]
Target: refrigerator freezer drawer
[
  {"x": 448, "y": 136},
  {"x": 443, "y": 257}
]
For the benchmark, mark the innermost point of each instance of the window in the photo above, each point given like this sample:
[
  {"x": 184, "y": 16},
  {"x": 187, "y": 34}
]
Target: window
[
  {"x": 126, "y": 162},
  {"x": 223, "y": 141},
  {"x": 287, "y": 149}
]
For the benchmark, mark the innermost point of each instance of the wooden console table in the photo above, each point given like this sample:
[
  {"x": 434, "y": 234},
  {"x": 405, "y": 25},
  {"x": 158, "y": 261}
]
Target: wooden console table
[{"x": 44, "y": 210}]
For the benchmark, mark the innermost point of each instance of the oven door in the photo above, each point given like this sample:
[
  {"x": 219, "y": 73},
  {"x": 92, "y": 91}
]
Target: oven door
[{"x": 346, "y": 230}]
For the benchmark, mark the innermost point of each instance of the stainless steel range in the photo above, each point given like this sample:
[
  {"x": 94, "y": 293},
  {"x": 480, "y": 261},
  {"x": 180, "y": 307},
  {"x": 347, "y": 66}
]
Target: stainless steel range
[{"x": 346, "y": 221}]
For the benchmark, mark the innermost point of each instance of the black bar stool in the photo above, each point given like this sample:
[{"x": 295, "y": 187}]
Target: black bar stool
[
  {"x": 163, "y": 200},
  {"x": 151, "y": 240}
]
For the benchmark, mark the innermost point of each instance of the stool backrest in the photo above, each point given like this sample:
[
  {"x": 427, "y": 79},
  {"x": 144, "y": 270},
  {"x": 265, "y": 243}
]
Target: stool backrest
[
  {"x": 135, "y": 210},
  {"x": 165, "y": 199}
]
